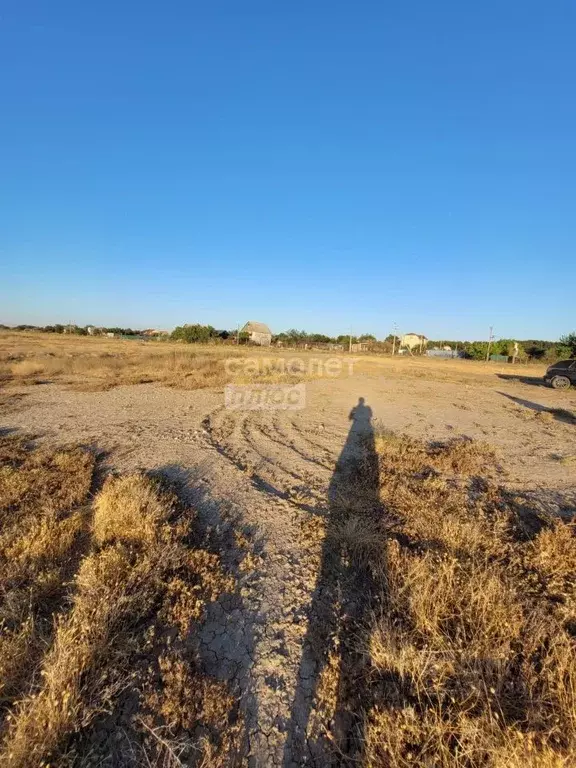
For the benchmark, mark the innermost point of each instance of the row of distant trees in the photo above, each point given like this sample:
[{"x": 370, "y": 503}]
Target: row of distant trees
[
  {"x": 76, "y": 330},
  {"x": 533, "y": 349},
  {"x": 530, "y": 349},
  {"x": 206, "y": 333},
  {"x": 296, "y": 337}
]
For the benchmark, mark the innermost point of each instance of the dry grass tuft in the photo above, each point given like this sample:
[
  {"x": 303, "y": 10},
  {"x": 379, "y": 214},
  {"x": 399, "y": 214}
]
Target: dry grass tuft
[
  {"x": 118, "y": 681},
  {"x": 362, "y": 539},
  {"x": 130, "y": 508}
]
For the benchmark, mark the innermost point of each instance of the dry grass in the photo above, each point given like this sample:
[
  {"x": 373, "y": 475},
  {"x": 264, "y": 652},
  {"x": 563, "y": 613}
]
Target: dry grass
[
  {"x": 467, "y": 657},
  {"x": 472, "y": 656},
  {"x": 452, "y": 370},
  {"x": 42, "y": 536},
  {"x": 96, "y": 363},
  {"x": 544, "y": 415},
  {"x": 96, "y": 660},
  {"x": 93, "y": 364}
]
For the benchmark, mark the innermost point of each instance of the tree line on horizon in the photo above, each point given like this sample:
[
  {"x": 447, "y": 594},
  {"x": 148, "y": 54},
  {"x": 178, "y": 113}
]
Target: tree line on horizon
[
  {"x": 75, "y": 330},
  {"x": 533, "y": 349}
]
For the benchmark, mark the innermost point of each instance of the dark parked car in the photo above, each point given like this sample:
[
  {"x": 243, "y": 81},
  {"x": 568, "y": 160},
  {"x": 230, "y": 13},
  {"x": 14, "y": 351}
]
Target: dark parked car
[{"x": 562, "y": 374}]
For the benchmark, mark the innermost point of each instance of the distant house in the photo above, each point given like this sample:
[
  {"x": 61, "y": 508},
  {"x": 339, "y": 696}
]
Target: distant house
[
  {"x": 413, "y": 340},
  {"x": 258, "y": 333}
]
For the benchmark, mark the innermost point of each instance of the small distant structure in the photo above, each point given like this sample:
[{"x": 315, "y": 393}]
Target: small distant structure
[
  {"x": 258, "y": 333},
  {"x": 361, "y": 346},
  {"x": 446, "y": 352},
  {"x": 413, "y": 341},
  {"x": 90, "y": 330}
]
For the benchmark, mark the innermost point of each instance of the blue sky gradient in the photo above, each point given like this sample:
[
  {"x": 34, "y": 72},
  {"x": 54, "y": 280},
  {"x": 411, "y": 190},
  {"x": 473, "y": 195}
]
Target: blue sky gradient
[{"x": 320, "y": 165}]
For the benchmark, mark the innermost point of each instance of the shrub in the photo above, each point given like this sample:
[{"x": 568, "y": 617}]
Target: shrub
[{"x": 194, "y": 333}]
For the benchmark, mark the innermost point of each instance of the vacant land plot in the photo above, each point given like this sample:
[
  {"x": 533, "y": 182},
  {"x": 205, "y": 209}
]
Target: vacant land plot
[{"x": 385, "y": 577}]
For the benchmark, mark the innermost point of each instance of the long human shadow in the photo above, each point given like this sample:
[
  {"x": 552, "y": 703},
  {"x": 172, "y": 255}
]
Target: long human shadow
[{"x": 347, "y": 590}]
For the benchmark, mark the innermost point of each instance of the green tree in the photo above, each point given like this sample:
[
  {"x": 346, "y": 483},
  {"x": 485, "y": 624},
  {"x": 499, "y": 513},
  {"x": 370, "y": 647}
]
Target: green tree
[
  {"x": 569, "y": 340},
  {"x": 295, "y": 336},
  {"x": 193, "y": 334},
  {"x": 476, "y": 350}
]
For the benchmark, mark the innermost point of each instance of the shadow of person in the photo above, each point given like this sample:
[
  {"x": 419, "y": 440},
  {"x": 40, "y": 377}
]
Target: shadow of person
[{"x": 326, "y": 715}]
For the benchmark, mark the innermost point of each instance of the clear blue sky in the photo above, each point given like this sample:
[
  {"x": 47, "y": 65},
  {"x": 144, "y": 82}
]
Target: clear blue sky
[{"x": 316, "y": 164}]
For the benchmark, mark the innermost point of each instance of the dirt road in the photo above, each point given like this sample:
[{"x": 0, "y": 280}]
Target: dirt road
[{"x": 270, "y": 473}]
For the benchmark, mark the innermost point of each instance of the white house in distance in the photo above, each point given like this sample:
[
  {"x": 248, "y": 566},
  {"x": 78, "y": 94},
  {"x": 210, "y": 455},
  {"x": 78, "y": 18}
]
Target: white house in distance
[
  {"x": 413, "y": 340},
  {"x": 258, "y": 333}
]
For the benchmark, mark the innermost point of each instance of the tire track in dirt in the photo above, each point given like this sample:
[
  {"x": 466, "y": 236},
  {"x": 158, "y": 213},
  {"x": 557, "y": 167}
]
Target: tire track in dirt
[
  {"x": 260, "y": 451},
  {"x": 285, "y": 434},
  {"x": 320, "y": 438},
  {"x": 321, "y": 453},
  {"x": 288, "y": 483}
]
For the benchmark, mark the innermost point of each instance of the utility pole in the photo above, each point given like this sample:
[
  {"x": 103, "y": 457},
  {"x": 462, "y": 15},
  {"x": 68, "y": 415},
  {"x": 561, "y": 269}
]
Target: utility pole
[
  {"x": 490, "y": 337},
  {"x": 237, "y": 334},
  {"x": 394, "y": 331},
  {"x": 350, "y": 342}
]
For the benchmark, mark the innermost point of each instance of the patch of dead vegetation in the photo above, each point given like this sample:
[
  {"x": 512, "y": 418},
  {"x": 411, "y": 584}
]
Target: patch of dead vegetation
[
  {"x": 473, "y": 661},
  {"x": 93, "y": 364},
  {"x": 544, "y": 415},
  {"x": 98, "y": 664},
  {"x": 43, "y": 533},
  {"x": 470, "y": 658}
]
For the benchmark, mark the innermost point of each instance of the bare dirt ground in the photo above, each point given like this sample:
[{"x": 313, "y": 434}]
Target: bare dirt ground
[{"x": 270, "y": 472}]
